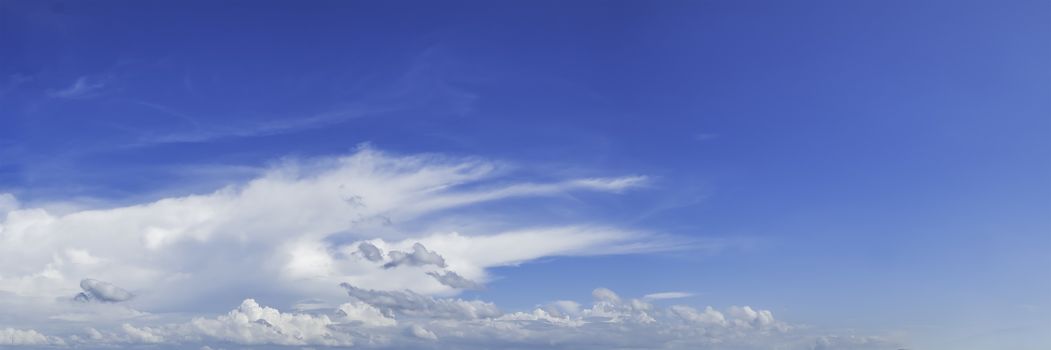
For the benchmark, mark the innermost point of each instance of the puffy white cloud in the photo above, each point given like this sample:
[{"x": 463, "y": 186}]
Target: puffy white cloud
[
  {"x": 758, "y": 319},
  {"x": 380, "y": 319},
  {"x": 708, "y": 316},
  {"x": 248, "y": 324},
  {"x": 143, "y": 335},
  {"x": 366, "y": 314},
  {"x": 26, "y": 337},
  {"x": 422, "y": 333},
  {"x": 298, "y": 230},
  {"x": 305, "y": 228},
  {"x": 254, "y": 324}
]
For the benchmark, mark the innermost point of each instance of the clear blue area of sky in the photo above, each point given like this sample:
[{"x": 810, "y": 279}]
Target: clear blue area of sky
[{"x": 870, "y": 165}]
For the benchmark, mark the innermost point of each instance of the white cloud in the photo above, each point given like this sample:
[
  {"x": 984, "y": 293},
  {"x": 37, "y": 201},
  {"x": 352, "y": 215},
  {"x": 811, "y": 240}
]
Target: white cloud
[
  {"x": 26, "y": 337},
  {"x": 254, "y": 324},
  {"x": 293, "y": 231},
  {"x": 403, "y": 320},
  {"x": 368, "y": 315},
  {"x": 667, "y": 295},
  {"x": 422, "y": 333},
  {"x": 83, "y": 87},
  {"x": 412, "y": 304},
  {"x": 248, "y": 324},
  {"x": 304, "y": 229},
  {"x": 8, "y": 203}
]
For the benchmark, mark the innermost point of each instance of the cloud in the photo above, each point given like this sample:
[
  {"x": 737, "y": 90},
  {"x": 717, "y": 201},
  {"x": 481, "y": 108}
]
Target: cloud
[
  {"x": 26, "y": 337},
  {"x": 95, "y": 290},
  {"x": 254, "y": 324},
  {"x": 248, "y": 324},
  {"x": 370, "y": 252},
  {"x": 667, "y": 295},
  {"x": 295, "y": 231},
  {"x": 8, "y": 203},
  {"x": 366, "y": 314},
  {"x": 385, "y": 319},
  {"x": 419, "y": 256},
  {"x": 306, "y": 227},
  {"x": 83, "y": 87},
  {"x": 412, "y": 304},
  {"x": 454, "y": 280},
  {"x": 422, "y": 333},
  {"x": 853, "y": 342}
]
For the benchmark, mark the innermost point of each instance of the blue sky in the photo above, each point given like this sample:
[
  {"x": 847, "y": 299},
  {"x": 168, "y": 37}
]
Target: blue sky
[{"x": 862, "y": 167}]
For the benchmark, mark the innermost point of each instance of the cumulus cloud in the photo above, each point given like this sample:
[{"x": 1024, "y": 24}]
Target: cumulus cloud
[
  {"x": 248, "y": 324},
  {"x": 26, "y": 337},
  {"x": 95, "y": 290},
  {"x": 412, "y": 304},
  {"x": 366, "y": 314},
  {"x": 419, "y": 256},
  {"x": 295, "y": 231},
  {"x": 454, "y": 280},
  {"x": 305, "y": 228},
  {"x": 422, "y": 333},
  {"x": 385, "y": 319},
  {"x": 254, "y": 324}
]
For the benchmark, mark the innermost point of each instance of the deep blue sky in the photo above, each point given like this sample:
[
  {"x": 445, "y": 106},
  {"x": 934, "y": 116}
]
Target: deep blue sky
[{"x": 878, "y": 165}]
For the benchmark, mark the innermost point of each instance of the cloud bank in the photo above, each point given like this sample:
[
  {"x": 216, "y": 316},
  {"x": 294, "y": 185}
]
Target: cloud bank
[
  {"x": 369, "y": 246},
  {"x": 303, "y": 227},
  {"x": 384, "y": 319}
]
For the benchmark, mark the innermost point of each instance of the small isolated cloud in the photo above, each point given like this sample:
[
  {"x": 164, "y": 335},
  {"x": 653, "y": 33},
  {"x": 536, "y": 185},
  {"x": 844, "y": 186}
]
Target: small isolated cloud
[
  {"x": 454, "y": 280},
  {"x": 95, "y": 290},
  {"x": 83, "y": 87},
  {"x": 419, "y": 256},
  {"x": 667, "y": 295}
]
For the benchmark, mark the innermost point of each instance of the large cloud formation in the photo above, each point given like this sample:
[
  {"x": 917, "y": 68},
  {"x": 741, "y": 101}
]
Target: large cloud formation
[
  {"x": 357, "y": 243},
  {"x": 296, "y": 231},
  {"x": 378, "y": 319}
]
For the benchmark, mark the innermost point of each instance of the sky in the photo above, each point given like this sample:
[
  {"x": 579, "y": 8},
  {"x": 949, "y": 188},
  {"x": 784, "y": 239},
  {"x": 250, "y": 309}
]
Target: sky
[{"x": 525, "y": 174}]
